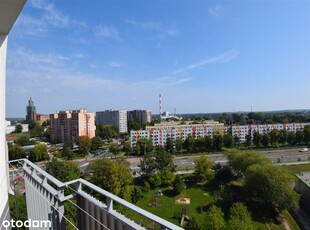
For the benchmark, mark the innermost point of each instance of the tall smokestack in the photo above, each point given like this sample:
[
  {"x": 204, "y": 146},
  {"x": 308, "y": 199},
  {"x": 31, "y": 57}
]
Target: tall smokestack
[{"x": 160, "y": 107}]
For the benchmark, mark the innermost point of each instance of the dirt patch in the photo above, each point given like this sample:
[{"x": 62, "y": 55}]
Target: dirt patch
[{"x": 183, "y": 201}]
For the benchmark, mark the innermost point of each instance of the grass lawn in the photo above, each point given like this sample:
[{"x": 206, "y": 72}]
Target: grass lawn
[
  {"x": 201, "y": 198},
  {"x": 294, "y": 169}
]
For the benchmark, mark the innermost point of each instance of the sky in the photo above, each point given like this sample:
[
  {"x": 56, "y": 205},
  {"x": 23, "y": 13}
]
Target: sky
[{"x": 201, "y": 56}]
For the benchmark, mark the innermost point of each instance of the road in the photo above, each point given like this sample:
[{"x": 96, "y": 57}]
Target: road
[{"x": 187, "y": 162}]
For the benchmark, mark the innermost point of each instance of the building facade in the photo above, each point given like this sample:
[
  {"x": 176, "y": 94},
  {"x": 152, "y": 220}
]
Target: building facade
[
  {"x": 160, "y": 133},
  {"x": 118, "y": 118},
  {"x": 302, "y": 186},
  {"x": 9, "y": 11},
  {"x": 31, "y": 111},
  {"x": 69, "y": 125},
  {"x": 241, "y": 131},
  {"x": 32, "y": 114},
  {"x": 141, "y": 116}
]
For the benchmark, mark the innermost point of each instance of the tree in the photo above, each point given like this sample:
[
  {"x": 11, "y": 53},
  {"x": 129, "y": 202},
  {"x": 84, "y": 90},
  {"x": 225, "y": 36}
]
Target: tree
[
  {"x": 241, "y": 161},
  {"x": 62, "y": 170},
  {"x": 136, "y": 194},
  {"x": 282, "y": 136},
  {"x": 147, "y": 165},
  {"x": 240, "y": 218},
  {"x": 37, "y": 130},
  {"x": 215, "y": 219},
  {"x": 224, "y": 174},
  {"x": 299, "y": 137},
  {"x": 127, "y": 148},
  {"x": 134, "y": 125},
  {"x": 266, "y": 140},
  {"x": 307, "y": 134},
  {"x": 68, "y": 153},
  {"x": 203, "y": 170},
  {"x": 18, "y": 128},
  {"x": 291, "y": 138},
  {"x": 228, "y": 140},
  {"x": 237, "y": 140},
  {"x": 272, "y": 185},
  {"x": 178, "y": 184},
  {"x": 257, "y": 139},
  {"x": 189, "y": 143},
  {"x": 192, "y": 225},
  {"x": 96, "y": 143},
  {"x": 169, "y": 145},
  {"x": 84, "y": 144},
  {"x": 31, "y": 125},
  {"x": 200, "y": 144},
  {"x": 248, "y": 140},
  {"x": 114, "y": 149},
  {"x": 217, "y": 142},
  {"x": 178, "y": 143},
  {"x": 144, "y": 146},
  {"x": 274, "y": 136},
  {"x": 16, "y": 152},
  {"x": 208, "y": 142},
  {"x": 166, "y": 176},
  {"x": 106, "y": 131},
  {"x": 113, "y": 176},
  {"x": 163, "y": 160},
  {"x": 39, "y": 153},
  {"x": 23, "y": 140}
]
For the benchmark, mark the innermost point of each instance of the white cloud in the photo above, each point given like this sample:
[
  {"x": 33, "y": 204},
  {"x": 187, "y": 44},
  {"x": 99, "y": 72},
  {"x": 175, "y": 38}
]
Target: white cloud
[
  {"x": 160, "y": 83},
  {"x": 216, "y": 10},
  {"x": 225, "y": 57},
  {"x": 163, "y": 31},
  {"x": 144, "y": 25},
  {"x": 106, "y": 32},
  {"x": 115, "y": 64},
  {"x": 48, "y": 19}
]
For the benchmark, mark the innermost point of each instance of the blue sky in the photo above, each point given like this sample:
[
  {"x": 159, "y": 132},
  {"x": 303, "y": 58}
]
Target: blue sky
[{"x": 202, "y": 56}]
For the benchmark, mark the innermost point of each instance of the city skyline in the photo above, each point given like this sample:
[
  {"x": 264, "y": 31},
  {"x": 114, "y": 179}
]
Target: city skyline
[{"x": 202, "y": 56}]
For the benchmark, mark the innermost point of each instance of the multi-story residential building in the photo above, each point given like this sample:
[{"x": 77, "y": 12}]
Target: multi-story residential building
[
  {"x": 69, "y": 125},
  {"x": 118, "y": 118},
  {"x": 160, "y": 133},
  {"x": 142, "y": 116},
  {"x": 242, "y": 131}
]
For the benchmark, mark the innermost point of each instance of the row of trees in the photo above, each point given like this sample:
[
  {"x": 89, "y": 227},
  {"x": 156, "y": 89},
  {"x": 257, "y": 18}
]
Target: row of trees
[
  {"x": 251, "y": 118},
  {"x": 37, "y": 153},
  {"x": 282, "y": 137}
]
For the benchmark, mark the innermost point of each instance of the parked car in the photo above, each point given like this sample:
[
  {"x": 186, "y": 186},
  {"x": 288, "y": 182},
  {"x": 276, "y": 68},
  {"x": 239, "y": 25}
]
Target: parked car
[{"x": 304, "y": 150}]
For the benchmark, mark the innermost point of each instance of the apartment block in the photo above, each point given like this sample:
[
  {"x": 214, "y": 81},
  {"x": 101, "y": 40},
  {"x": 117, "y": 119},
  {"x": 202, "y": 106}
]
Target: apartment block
[
  {"x": 160, "y": 133},
  {"x": 118, "y": 118},
  {"x": 71, "y": 124},
  {"x": 242, "y": 130},
  {"x": 141, "y": 116}
]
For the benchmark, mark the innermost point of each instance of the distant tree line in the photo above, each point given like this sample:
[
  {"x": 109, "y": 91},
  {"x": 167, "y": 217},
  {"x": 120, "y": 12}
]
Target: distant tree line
[{"x": 251, "y": 118}]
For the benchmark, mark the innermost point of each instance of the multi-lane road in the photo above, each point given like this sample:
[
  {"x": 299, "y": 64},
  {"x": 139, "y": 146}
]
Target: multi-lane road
[{"x": 277, "y": 156}]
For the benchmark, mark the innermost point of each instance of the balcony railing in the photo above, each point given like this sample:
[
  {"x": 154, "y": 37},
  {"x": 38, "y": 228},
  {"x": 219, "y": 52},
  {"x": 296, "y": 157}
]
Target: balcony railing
[{"x": 45, "y": 197}]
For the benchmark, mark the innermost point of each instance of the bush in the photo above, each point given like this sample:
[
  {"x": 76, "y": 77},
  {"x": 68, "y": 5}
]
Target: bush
[
  {"x": 178, "y": 184},
  {"x": 136, "y": 194},
  {"x": 146, "y": 186}
]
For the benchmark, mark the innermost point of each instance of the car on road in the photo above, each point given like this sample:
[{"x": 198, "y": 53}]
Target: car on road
[{"x": 304, "y": 150}]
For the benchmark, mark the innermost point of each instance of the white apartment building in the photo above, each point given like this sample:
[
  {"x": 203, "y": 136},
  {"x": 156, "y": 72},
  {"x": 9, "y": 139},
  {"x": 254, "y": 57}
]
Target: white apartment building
[
  {"x": 242, "y": 130},
  {"x": 160, "y": 133},
  {"x": 118, "y": 118}
]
